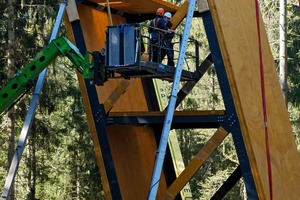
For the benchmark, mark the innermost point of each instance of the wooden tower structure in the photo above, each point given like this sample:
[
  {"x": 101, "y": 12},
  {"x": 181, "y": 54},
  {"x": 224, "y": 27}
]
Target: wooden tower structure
[{"x": 125, "y": 121}]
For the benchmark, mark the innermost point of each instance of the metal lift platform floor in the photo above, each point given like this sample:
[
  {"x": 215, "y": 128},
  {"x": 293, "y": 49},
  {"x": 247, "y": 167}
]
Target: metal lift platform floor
[{"x": 149, "y": 69}]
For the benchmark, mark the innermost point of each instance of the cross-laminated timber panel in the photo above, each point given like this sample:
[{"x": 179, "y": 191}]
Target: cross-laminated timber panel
[
  {"x": 133, "y": 149},
  {"x": 138, "y": 6},
  {"x": 237, "y": 33}
]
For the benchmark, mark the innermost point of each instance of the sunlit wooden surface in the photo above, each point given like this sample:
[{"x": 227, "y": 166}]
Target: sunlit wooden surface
[
  {"x": 237, "y": 33},
  {"x": 133, "y": 148}
]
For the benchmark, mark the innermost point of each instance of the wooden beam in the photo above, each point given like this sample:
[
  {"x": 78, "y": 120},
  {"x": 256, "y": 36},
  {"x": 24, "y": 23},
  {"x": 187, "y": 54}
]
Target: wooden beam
[
  {"x": 196, "y": 163},
  {"x": 72, "y": 11},
  {"x": 116, "y": 94},
  {"x": 180, "y": 14},
  {"x": 202, "y": 6}
]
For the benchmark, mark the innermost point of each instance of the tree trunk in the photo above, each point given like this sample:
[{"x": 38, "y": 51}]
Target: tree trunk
[
  {"x": 32, "y": 160},
  {"x": 11, "y": 72},
  {"x": 283, "y": 48}
]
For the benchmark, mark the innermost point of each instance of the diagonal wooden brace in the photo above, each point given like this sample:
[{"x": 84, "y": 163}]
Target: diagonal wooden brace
[
  {"x": 196, "y": 163},
  {"x": 116, "y": 94}
]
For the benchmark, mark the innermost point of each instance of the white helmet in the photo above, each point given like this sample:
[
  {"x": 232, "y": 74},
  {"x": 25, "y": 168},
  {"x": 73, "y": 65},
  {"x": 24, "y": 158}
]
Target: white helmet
[{"x": 168, "y": 15}]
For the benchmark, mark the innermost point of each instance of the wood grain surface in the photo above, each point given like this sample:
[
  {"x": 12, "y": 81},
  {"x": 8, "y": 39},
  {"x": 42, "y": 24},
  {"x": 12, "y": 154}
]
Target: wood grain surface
[
  {"x": 138, "y": 6},
  {"x": 235, "y": 23},
  {"x": 133, "y": 148}
]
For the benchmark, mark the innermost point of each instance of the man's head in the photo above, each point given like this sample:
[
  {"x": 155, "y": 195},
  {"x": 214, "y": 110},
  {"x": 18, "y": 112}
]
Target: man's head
[
  {"x": 160, "y": 12},
  {"x": 167, "y": 16}
]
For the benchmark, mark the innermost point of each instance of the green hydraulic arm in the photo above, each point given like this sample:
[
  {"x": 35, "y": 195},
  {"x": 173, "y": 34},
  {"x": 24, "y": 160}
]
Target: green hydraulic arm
[{"x": 25, "y": 79}]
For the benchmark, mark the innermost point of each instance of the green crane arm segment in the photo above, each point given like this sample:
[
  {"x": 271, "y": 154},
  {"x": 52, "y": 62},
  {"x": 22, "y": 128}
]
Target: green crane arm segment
[{"x": 25, "y": 79}]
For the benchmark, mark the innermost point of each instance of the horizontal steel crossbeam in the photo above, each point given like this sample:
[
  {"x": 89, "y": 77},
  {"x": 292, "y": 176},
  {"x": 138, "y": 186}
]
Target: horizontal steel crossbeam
[{"x": 181, "y": 120}]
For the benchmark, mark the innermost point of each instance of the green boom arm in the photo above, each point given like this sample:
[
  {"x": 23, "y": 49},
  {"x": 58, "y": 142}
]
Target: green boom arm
[{"x": 25, "y": 78}]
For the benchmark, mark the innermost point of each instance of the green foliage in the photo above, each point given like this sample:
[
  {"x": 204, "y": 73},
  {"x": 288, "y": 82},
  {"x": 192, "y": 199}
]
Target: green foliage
[
  {"x": 3, "y": 36},
  {"x": 295, "y": 121},
  {"x": 293, "y": 45},
  {"x": 63, "y": 153},
  {"x": 293, "y": 52},
  {"x": 58, "y": 161}
]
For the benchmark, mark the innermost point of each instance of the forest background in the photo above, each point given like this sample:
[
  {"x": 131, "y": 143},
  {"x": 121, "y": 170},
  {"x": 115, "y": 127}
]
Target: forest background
[{"x": 58, "y": 161}]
